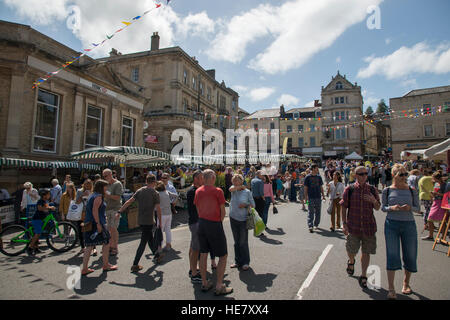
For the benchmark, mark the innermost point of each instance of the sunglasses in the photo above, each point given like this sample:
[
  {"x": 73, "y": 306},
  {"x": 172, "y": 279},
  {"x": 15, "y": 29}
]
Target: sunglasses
[
  {"x": 362, "y": 174},
  {"x": 402, "y": 174}
]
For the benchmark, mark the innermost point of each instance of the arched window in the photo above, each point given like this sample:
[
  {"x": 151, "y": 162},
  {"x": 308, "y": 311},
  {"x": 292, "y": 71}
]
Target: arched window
[{"x": 339, "y": 86}]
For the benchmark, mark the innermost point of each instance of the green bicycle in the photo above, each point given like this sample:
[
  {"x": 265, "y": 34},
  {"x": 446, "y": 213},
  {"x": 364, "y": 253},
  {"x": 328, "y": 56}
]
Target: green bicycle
[{"x": 60, "y": 236}]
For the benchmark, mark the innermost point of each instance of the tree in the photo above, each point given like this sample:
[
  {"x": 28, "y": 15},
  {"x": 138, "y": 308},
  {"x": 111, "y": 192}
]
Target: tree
[
  {"x": 369, "y": 111},
  {"x": 382, "y": 107}
]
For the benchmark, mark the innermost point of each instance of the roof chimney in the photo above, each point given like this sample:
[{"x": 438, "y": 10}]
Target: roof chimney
[
  {"x": 212, "y": 73},
  {"x": 155, "y": 42}
]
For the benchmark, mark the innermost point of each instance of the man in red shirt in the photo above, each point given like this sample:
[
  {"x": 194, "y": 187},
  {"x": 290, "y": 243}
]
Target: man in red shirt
[{"x": 210, "y": 203}]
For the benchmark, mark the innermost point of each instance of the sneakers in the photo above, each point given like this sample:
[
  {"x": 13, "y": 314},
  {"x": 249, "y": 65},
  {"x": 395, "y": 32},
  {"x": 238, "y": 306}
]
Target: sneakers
[
  {"x": 311, "y": 230},
  {"x": 197, "y": 278}
]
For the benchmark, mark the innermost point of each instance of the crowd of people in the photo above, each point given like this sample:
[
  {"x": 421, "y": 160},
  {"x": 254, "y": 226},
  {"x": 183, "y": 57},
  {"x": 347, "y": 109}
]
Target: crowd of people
[{"x": 352, "y": 188}]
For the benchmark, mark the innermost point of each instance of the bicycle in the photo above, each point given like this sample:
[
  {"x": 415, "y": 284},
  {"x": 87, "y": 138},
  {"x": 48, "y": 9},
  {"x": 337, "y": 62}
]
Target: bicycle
[{"x": 60, "y": 236}]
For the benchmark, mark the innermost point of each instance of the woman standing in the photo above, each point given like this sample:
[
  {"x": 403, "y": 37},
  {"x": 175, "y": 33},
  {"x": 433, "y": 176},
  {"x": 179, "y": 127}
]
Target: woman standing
[
  {"x": 268, "y": 196},
  {"x": 335, "y": 191},
  {"x": 436, "y": 212},
  {"x": 241, "y": 202},
  {"x": 166, "y": 198},
  {"x": 301, "y": 189},
  {"x": 83, "y": 195},
  {"x": 399, "y": 201},
  {"x": 95, "y": 224},
  {"x": 287, "y": 184},
  {"x": 69, "y": 195},
  {"x": 30, "y": 196}
]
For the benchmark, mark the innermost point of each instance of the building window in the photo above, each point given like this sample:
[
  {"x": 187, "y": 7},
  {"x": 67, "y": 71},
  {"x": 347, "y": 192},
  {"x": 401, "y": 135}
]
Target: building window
[
  {"x": 272, "y": 126},
  {"x": 312, "y": 127},
  {"x": 300, "y": 142},
  {"x": 428, "y": 130},
  {"x": 339, "y": 86},
  {"x": 208, "y": 93},
  {"x": 289, "y": 128},
  {"x": 340, "y": 134},
  {"x": 45, "y": 132},
  {"x": 93, "y": 127},
  {"x": 135, "y": 74},
  {"x": 289, "y": 144},
  {"x": 233, "y": 104},
  {"x": 296, "y": 115},
  {"x": 223, "y": 103},
  {"x": 200, "y": 85},
  {"x": 447, "y": 129},
  {"x": 336, "y": 100},
  {"x": 342, "y": 100},
  {"x": 185, "y": 77},
  {"x": 127, "y": 131},
  {"x": 312, "y": 141},
  {"x": 185, "y": 105},
  {"x": 194, "y": 83},
  {"x": 300, "y": 128}
]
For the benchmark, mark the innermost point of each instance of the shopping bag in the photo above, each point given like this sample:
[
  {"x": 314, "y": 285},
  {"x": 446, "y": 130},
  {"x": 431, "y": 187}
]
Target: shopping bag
[
  {"x": 75, "y": 211},
  {"x": 275, "y": 210},
  {"x": 259, "y": 226},
  {"x": 156, "y": 239},
  {"x": 250, "y": 219},
  {"x": 330, "y": 208}
]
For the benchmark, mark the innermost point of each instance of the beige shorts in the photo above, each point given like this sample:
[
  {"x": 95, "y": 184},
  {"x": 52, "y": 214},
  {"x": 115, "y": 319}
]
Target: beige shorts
[
  {"x": 368, "y": 244},
  {"x": 111, "y": 219}
]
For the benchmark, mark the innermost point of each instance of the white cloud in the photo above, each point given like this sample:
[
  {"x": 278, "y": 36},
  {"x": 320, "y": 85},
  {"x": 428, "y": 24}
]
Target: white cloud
[
  {"x": 370, "y": 100},
  {"x": 421, "y": 58},
  {"x": 46, "y": 13},
  {"x": 310, "y": 104},
  {"x": 300, "y": 29},
  {"x": 103, "y": 17},
  {"x": 288, "y": 100},
  {"x": 409, "y": 83},
  {"x": 240, "y": 89},
  {"x": 260, "y": 94},
  {"x": 388, "y": 40},
  {"x": 338, "y": 60}
]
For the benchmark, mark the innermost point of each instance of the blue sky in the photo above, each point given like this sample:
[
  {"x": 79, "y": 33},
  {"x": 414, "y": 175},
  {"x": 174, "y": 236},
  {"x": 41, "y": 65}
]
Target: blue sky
[{"x": 271, "y": 52}]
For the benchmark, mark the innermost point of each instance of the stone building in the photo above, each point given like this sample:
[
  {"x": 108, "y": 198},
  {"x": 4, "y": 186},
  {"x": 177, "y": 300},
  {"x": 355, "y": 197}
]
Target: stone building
[
  {"x": 430, "y": 128},
  {"x": 342, "y": 105},
  {"x": 303, "y": 129},
  {"x": 178, "y": 91},
  {"x": 80, "y": 107}
]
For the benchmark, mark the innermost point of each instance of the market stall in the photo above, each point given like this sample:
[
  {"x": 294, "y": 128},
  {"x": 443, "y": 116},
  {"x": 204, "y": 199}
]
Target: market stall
[{"x": 124, "y": 157}]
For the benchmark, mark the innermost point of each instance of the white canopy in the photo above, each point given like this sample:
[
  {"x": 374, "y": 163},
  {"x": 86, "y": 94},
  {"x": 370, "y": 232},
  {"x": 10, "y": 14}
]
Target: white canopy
[
  {"x": 353, "y": 156},
  {"x": 411, "y": 154},
  {"x": 437, "y": 149}
]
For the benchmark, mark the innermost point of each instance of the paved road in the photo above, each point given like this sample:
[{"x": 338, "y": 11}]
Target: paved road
[{"x": 282, "y": 262}]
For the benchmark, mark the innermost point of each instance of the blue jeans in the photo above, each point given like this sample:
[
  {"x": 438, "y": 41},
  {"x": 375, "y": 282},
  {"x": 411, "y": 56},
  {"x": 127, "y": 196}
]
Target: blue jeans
[
  {"x": 314, "y": 207},
  {"x": 240, "y": 236},
  {"x": 404, "y": 232},
  {"x": 266, "y": 209}
]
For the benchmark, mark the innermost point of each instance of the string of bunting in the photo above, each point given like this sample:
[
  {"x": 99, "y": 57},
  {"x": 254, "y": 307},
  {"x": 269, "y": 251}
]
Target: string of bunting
[
  {"x": 432, "y": 111},
  {"x": 125, "y": 25}
]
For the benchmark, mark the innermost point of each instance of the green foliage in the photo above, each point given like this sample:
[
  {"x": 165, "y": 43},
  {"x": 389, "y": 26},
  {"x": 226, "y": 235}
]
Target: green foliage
[
  {"x": 382, "y": 107},
  {"x": 369, "y": 111},
  {"x": 220, "y": 180}
]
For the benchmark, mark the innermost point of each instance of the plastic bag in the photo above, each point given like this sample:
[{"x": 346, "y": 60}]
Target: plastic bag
[
  {"x": 259, "y": 226},
  {"x": 250, "y": 219}
]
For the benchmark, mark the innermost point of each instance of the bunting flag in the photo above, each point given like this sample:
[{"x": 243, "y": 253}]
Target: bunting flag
[{"x": 95, "y": 45}]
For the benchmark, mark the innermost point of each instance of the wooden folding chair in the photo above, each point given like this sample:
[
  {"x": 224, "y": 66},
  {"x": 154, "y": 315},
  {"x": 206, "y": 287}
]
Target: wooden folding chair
[{"x": 442, "y": 234}]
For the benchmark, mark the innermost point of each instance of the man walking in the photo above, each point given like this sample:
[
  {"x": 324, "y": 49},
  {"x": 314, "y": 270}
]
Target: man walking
[
  {"x": 257, "y": 185},
  {"x": 148, "y": 200},
  {"x": 113, "y": 199},
  {"x": 194, "y": 249},
  {"x": 359, "y": 201},
  {"x": 210, "y": 203},
  {"x": 313, "y": 191}
]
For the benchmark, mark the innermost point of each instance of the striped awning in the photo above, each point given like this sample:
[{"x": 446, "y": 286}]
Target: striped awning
[
  {"x": 32, "y": 164},
  {"x": 130, "y": 156}
]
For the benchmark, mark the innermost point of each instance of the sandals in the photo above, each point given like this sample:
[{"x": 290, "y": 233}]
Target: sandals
[
  {"x": 362, "y": 281},
  {"x": 113, "y": 252},
  {"x": 223, "y": 291},
  {"x": 408, "y": 290},
  {"x": 87, "y": 272},
  {"x": 213, "y": 267},
  {"x": 234, "y": 266},
  {"x": 110, "y": 268},
  {"x": 350, "y": 271},
  {"x": 207, "y": 287},
  {"x": 392, "y": 295}
]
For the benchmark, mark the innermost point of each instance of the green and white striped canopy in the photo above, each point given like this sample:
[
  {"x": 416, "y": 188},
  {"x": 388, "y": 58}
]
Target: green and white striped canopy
[
  {"x": 130, "y": 156},
  {"x": 32, "y": 164}
]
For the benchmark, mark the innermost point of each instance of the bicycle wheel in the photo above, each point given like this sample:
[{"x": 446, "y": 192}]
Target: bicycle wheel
[
  {"x": 63, "y": 238},
  {"x": 14, "y": 240}
]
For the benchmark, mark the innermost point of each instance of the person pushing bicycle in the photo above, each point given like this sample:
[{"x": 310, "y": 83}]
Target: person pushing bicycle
[{"x": 42, "y": 211}]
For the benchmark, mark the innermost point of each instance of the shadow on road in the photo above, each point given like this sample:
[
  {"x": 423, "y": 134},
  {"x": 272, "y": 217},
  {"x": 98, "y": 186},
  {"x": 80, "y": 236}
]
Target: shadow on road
[
  {"x": 330, "y": 234},
  {"x": 277, "y": 232},
  {"x": 263, "y": 238},
  {"x": 381, "y": 294},
  {"x": 146, "y": 281},
  {"x": 256, "y": 282},
  {"x": 90, "y": 284},
  {"x": 200, "y": 295}
]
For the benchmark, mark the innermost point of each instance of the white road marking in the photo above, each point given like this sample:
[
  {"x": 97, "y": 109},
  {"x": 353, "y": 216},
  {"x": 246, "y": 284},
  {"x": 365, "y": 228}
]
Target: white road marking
[{"x": 313, "y": 272}]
